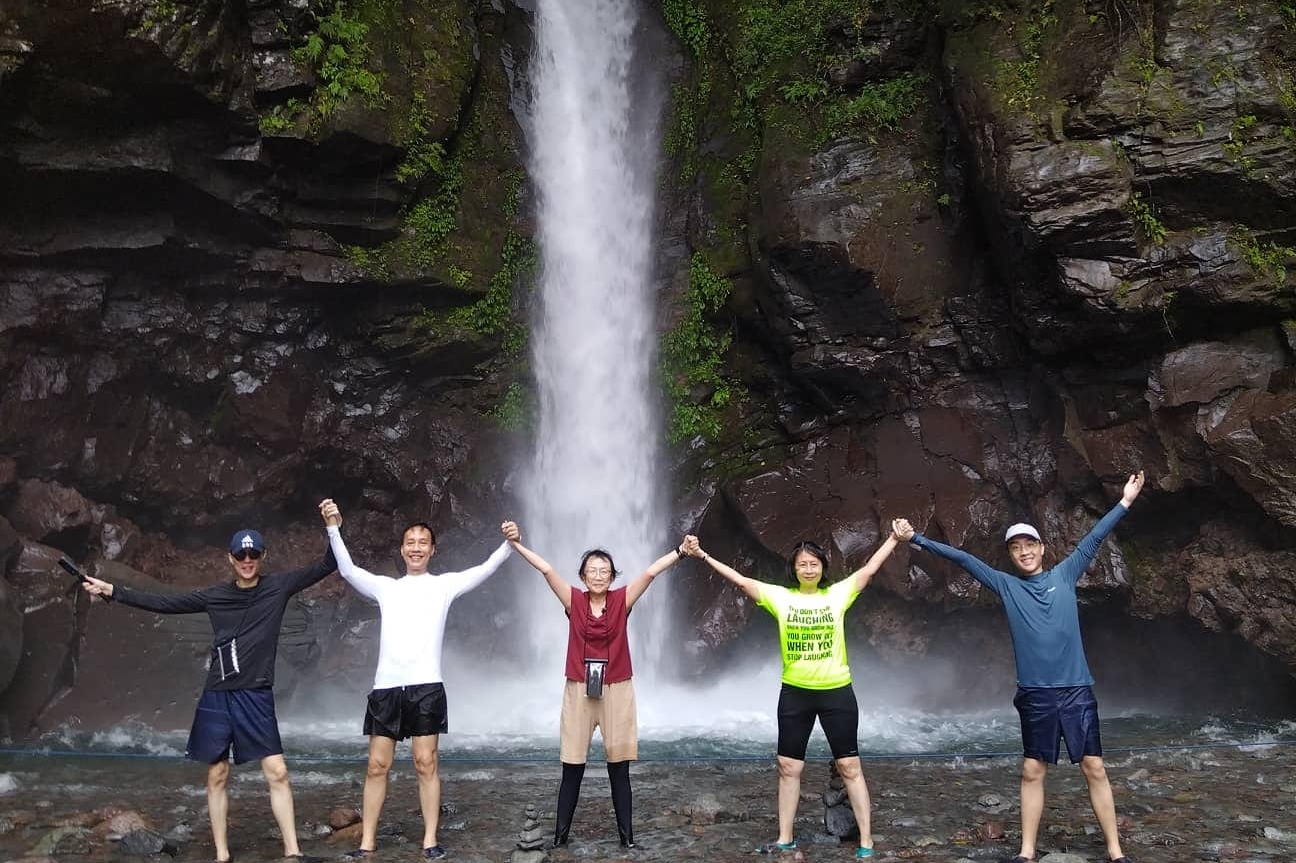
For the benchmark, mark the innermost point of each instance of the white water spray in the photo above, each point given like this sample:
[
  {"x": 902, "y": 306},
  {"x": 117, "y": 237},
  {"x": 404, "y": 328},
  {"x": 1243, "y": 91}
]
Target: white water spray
[{"x": 595, "y": 479}]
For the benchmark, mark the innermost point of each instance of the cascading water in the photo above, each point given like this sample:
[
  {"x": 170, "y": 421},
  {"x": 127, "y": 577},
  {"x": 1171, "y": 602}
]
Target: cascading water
[{"x": 594, "y": 479}]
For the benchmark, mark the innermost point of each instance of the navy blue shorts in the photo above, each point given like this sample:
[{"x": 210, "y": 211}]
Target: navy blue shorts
[
  {"x": 242, "y": 718},
  {"x": 401, "y": 712},
  {"x": 1050, "y": 713},
  {"x": 837, "y": 711}
]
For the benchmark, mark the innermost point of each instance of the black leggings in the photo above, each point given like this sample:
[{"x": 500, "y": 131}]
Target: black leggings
[
  {"x": 569, "y": 794},
  {"x": 837, "y": 712}
]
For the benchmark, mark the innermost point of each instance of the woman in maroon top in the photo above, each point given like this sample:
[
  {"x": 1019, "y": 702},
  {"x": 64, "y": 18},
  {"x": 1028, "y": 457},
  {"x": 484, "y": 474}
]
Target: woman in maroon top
[{"x": 599, "y": 692}]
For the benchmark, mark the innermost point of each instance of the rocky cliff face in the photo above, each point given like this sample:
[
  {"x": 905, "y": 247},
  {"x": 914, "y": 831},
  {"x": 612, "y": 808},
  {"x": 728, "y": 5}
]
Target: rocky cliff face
[{"x": 974, "y": 267}]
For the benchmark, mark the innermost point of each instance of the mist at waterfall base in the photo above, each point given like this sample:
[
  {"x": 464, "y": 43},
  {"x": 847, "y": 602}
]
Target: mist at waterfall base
[{"x": 1155, "y": 691}]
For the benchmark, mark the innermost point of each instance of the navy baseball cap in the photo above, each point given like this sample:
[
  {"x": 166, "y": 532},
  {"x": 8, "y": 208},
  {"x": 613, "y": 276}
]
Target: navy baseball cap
[{"x": 246, "y": 540}]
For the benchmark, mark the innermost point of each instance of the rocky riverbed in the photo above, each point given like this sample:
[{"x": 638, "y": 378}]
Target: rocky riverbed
[{"x": 1218, "y": 803}]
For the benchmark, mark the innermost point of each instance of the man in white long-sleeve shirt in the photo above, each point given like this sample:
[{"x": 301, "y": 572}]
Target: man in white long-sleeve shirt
[{"x": 408, "y": 698}]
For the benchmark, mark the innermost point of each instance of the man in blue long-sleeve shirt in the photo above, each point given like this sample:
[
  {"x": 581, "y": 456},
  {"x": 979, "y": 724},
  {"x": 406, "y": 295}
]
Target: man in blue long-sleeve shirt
[{"x": 1055, "y": 697}]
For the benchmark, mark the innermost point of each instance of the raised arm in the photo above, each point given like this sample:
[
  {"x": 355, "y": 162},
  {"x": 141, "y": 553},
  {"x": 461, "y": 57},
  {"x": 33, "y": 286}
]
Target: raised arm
[
  {"x": 557, "y": 584},
  {"x": 365, "y": 582},
  {"x": 1078, "y": 561},
  {"x": 462, "y": 582},
  {"x": 865, "y": 573},
  {"x": 975, "y": 567},
  {"x": 749, "y": 586},
  {"x": 636, "y": 588},
  {"x": 300, "y": 579}
]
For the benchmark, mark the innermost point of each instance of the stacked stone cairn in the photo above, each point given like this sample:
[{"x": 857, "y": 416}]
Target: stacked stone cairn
[
  {"x": 531, "y": 841},
  {"x": 839, "y": 818}
]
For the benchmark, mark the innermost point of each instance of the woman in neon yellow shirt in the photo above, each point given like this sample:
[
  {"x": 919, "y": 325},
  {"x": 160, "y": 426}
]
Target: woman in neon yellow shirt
[{"x": 816, "y": 675}]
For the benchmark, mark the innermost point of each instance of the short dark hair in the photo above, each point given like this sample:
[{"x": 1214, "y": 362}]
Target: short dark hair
[
  {"x": 597, "y": 552},
  {"x": 424, "y": 526},
  {"x": 812, "y": 548}
]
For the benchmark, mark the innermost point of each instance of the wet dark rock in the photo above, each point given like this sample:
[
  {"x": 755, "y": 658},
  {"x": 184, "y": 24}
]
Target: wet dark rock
[
  {"x": 144, "y": 843},
  {"x": 343, "y": 816}
]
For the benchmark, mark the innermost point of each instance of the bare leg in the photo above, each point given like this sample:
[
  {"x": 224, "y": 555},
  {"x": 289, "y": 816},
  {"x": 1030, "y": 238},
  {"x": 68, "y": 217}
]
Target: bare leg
[
  {"x": 381, "y": 752},
  {"x": 218, "y": 806},
  {"x": 789, "y": 794},
  {"x": 1104, "y": 805},
  {"x": 1032, "y": 803},
  {"x": 281, "y": 802},
  {"x": 426, "y": 764},
  {"x": 852, "y": 774}
]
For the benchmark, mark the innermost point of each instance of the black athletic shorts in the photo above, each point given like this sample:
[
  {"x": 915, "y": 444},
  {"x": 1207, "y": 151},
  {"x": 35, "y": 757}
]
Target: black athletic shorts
[
  {"x": 837, "y": 711},
  {"x": 407, "y": 711}
]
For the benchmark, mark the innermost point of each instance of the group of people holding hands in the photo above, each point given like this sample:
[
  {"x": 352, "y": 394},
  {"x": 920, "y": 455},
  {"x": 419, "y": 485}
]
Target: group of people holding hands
[{"x": 236, "y": 712}]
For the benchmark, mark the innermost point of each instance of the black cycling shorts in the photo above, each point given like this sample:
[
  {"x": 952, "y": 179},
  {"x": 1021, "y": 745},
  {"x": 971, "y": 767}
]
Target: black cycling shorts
[{"x": 837, "y": 712}]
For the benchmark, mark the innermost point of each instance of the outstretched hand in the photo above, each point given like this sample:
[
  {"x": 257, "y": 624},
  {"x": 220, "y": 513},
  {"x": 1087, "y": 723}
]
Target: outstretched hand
[
  {"x": 511, "y": 532},
  {"x": 96, "y": 587},
  {"x": 691, "y": 546},
  {"x": 330, "y": 513},
  {"x": 1133, "y": 486},
  {"x": 903, "y": 530}
]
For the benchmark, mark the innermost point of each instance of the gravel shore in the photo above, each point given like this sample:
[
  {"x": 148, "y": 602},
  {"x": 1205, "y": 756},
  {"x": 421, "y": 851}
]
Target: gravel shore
[{"x": 1176, "y": 805}]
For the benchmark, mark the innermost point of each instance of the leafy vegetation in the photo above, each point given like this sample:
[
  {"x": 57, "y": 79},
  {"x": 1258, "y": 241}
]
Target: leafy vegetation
[
  {"x": 1019, "y": 80},
  {"x": 692, "y": 356},
  {"x": 511, "y": 414},
  {"x": 493, "y": 313},
  {"x": 883, "y": 105},
  {"x": 1267, "y": 259},
  {"x": 687, "y": 20},
  {"x": 1240, "y": 135},
  {"x": 422, "y": 156},
  {"x": 339, "y": 53},
  {"x": 1145, "y": 220}
]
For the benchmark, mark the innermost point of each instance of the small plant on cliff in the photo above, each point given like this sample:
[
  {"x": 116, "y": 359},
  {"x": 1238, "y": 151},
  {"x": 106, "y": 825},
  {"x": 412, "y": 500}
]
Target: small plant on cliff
[
  {"x": 1240, "y": 134},
  {"x": 687, "y": 20},
  {"x": 1267, "y": 259},
  {"x": 422, "y": 157},
  {"x": 493, "y": 313},
  {"x": 1019, "y": 80},
  {"x": 1145, "y": 220},
  {"x": 511, "y": 413},
  {"x": 884, "y": 105},
  {"x": 692, "y": 355},
  {"x": 339, "y": 53}
]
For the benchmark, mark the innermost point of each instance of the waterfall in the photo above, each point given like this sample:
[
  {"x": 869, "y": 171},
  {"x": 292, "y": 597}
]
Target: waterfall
[{"x": 595, "y": 478}]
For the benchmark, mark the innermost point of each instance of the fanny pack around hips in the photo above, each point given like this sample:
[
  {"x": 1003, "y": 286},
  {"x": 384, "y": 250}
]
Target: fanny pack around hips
[{"x": 594, "y": 669}]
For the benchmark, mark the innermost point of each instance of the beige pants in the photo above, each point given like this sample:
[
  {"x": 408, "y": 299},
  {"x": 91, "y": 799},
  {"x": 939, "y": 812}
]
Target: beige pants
[{"x": 613, "y": 714}]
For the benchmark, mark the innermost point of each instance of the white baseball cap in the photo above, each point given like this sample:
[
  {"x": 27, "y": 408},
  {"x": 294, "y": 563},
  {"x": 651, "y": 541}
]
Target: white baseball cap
[{"x": 1021, "y": 529}]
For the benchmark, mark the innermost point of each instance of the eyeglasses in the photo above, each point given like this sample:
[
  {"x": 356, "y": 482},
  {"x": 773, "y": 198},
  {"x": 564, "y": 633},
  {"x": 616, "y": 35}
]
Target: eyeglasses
[
  {"x": 598, "y": 572},
  {"x": 246, "y": 554}
]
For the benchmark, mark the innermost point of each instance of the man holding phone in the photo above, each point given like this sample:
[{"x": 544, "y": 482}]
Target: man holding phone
[{"x": 237, "y": 709}]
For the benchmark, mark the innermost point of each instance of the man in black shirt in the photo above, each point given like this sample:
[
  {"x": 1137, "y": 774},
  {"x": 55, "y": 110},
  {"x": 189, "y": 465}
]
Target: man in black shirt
[{"x": 237, "y": 705}]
